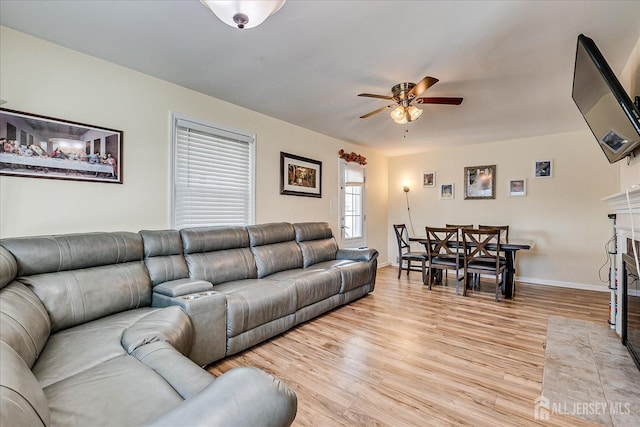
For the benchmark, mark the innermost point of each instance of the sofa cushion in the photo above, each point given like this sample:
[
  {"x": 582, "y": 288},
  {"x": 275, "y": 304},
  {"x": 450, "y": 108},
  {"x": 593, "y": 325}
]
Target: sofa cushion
[
  {"x": 312, "y": 231},
  {"x": 265, "y": 234},
  {"x": 78, "y": 296},
  {"x": 24, "y": 322},
  {"x": 46, "y": 254},
  {"x": 316, "y": 242},
  {"x": 218, "y": 254},
  {"x": 209, "y": 239},
  {"x": 22, "y": 401},
  {"x": 276, "y": 257},
  {"x": 122, "y": 391},
  {"x": 163, "y": 255},
  {"x": 251, "y": 303},
  {"x": 83, "y": 347},
  {"x": 8, "y": 267},
  {"x": 274, "y": 248},
  {"x": 315, "y": 251},
  {"x": 222, "y": 266}
]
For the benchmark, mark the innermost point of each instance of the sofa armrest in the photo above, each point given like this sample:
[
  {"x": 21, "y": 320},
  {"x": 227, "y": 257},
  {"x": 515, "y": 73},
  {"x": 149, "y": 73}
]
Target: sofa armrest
[
  {"x": 208, "y": 313},
  {"x": 176, "y": 288},
  {"x": 241, "y": 397},
  {"x": 357, "y": 254}
]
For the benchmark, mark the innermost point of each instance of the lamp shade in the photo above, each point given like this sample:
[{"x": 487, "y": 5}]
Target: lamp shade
[
  {"x": 414, "y": 112},
  {"x": 243, "y": 13},
  {"x": 402, "y": 115},
  {"x": 398, "y": 115}
]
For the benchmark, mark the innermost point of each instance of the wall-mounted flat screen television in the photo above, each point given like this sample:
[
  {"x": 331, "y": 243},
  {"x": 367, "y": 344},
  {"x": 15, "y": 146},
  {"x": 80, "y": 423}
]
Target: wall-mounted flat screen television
[{"x": 605, "y": 106}]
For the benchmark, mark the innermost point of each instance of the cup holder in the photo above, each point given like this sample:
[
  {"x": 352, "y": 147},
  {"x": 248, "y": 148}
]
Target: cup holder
[
  {"x": 190, "y": 297},
  {"x": 207, "y": 293}
]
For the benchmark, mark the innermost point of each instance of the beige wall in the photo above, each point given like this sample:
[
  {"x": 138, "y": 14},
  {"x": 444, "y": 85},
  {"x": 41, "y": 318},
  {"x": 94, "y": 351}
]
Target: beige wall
[
  {"x": 46, "y": 79},
  {"x": 563, "y": 214}
]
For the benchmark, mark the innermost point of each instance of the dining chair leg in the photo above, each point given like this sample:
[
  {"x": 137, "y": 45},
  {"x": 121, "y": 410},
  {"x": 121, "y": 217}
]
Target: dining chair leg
[
  {"x": 400, "y": 267},
  {"x": 424, "y": 272},
  {"x": 408, "y": 266}
]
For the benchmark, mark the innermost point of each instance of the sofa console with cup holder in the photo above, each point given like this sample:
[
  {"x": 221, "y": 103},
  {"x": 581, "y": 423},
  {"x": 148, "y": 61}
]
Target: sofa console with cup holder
[{"x": 113, "y": 328}]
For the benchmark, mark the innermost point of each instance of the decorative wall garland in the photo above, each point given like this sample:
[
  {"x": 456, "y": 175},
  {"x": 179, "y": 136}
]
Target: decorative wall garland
[{"x": 352, "y": 157}]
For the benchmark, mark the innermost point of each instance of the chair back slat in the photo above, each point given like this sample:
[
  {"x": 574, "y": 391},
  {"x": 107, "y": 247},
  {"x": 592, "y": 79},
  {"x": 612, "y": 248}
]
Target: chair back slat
[
  {"x": 460, "y": 226},
  {"x": 477, "y": 241},
  {"x": 503, "y": 228},
  {"x": 442, "y": 242},
  {"x": 482, "y": 254},
  {"x": 402, "y": 236}
]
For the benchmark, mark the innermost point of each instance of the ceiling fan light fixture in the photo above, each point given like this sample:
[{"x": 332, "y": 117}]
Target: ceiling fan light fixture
[
  {"x": 398, "y": 115},
  {"x": 414, "y": 112},
  {"x": 243, "y": 13}
]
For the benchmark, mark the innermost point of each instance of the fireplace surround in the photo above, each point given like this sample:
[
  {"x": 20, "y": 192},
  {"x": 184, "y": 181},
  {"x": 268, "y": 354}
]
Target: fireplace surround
[{"x": 631, "y": 308}]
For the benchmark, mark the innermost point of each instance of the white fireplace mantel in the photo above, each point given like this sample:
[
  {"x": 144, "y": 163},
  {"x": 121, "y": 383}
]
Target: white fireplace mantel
[{"x": 626, "y": 206}]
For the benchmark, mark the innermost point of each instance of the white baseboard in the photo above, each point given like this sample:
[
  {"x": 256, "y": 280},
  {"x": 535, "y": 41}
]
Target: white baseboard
[
  {"x": 546, "y": 282},
  {"x": 385, "y": 264},
  {"x": 572, "y": 285}
]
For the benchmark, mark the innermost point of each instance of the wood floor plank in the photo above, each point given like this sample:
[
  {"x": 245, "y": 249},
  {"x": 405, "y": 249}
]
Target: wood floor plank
[{"x": 408, "y": 356}]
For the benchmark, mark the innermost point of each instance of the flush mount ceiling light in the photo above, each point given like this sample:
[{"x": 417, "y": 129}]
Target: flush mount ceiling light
[{"x": 243, "y": 13}]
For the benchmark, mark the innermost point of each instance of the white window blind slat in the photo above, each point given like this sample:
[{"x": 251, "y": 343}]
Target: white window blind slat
[{"x": 213, "y": 176}]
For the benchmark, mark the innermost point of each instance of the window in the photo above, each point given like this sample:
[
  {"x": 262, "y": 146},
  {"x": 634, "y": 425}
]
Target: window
[
  {"x": 353, "y": 195},
  {"x": 213, "y": 175}
]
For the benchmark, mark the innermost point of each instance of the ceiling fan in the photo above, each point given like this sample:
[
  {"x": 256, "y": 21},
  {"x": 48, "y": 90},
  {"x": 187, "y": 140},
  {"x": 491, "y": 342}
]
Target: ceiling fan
[{"x": 404, "y": 95}]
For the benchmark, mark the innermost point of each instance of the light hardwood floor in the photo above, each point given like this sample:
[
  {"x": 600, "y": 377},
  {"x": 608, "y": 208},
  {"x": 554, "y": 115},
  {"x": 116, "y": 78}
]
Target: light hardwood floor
[{"x": 407, "y": 356}]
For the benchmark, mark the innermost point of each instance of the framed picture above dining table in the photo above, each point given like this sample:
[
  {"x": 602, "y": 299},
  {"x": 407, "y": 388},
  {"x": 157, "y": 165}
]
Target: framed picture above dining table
[{"x": 480, "y": 182}]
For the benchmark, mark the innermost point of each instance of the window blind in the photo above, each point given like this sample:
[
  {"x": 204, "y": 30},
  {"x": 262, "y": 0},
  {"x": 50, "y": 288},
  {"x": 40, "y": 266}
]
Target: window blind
[{"x": 213, "y": 176}]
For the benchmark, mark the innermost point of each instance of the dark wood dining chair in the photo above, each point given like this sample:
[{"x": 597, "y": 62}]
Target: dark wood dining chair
[
  {"x": 405, "y": 254},
  {"x": 479, "y": 259},
  {"x": 503, "y": 228},
  {"x": 460, "y": 226},
  {"x": 504, "y": 235},
  {"x": 442, "y": 249}
]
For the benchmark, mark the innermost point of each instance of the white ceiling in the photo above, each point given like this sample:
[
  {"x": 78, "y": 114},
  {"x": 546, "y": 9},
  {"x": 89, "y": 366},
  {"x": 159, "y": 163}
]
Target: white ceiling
[{"x": 511, "y": 61}]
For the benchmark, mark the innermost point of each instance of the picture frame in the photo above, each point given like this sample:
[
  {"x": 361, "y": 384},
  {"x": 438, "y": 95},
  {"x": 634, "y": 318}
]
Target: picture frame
[
  {"x": 300, "y": 176},
  {"x": 447, "y": 191},
  {"x": 518, "y": 187},
  {"x": 543, "y": 169},
  {"x": 480, "y": 182},
  {"x": 35, "y": 146},
  {"x": 428, "y": 179}
]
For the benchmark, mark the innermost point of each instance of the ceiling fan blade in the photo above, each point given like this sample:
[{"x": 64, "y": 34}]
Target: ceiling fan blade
[
  {"x": 372, "y": 95},
  {"x": 377, "y": 111},
  {"x": 422, "y": 85},
  {"x": 438, "y": 100}
]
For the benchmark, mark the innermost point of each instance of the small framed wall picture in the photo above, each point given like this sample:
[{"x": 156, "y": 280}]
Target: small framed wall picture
[
  {"x": 300, "y": 176},
  {"x": 446, "y": 191},
  {"x": 518, "y": 187},
  {"x": 428, "y": 179},
  {"x": 543, "y": 169}
]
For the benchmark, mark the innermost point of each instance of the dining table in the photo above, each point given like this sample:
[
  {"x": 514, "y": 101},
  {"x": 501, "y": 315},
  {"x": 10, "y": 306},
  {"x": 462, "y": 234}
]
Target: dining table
[{"x": 509, "y": 249}]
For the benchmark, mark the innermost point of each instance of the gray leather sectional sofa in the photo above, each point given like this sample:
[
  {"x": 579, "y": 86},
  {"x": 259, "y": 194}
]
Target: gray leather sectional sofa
[{"x": 112, "y": 328}]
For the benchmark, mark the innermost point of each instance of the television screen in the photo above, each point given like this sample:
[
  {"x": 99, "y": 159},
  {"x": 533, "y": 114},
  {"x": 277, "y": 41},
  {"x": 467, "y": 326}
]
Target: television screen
[{"x": 605, "y": 106}]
